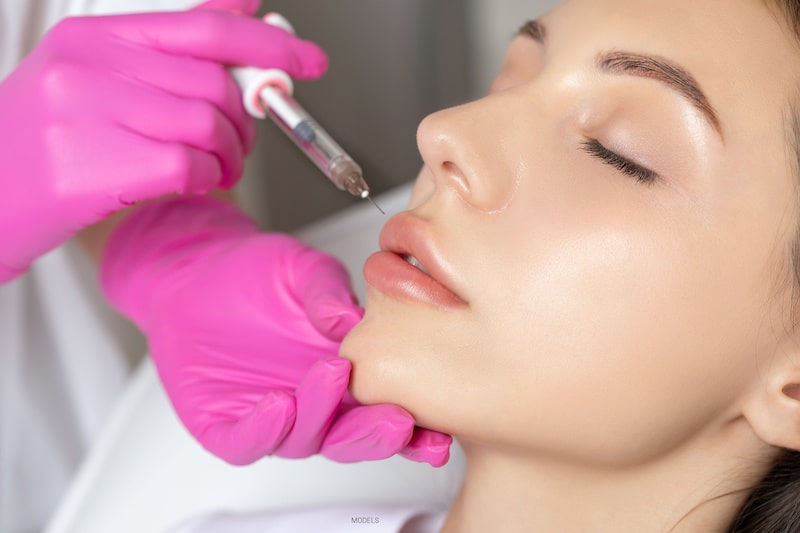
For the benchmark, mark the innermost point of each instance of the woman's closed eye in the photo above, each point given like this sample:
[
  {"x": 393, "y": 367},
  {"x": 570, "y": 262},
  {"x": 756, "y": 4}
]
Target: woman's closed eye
[{"x": 622, "y": 164}]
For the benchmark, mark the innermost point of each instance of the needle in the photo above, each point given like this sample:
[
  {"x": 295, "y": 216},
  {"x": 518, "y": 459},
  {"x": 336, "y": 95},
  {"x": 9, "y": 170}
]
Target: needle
[{"x": 368, "y": 197}]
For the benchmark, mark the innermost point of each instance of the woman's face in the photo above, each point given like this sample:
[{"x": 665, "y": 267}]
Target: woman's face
[{"x": 607, "y": 235}]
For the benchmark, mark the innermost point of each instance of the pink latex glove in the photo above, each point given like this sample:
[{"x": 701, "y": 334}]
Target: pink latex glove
[
  {"x": 107, "y": 111},
  {"x": 244, "y": 328}
]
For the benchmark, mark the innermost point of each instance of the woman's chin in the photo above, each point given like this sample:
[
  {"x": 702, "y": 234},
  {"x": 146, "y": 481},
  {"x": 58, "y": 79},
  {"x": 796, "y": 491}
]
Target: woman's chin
[{"x": 357, "y": 348}]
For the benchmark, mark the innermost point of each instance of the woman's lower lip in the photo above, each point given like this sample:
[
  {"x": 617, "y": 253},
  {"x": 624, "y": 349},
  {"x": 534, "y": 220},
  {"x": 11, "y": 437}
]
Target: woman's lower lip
[{"x": 392, "y": 275}]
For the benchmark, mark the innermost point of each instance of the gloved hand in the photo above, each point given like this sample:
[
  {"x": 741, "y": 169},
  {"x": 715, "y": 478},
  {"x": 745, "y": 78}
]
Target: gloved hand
[
  {"x": 244, "y": 328},
  {"x": 107, "y": 111}
]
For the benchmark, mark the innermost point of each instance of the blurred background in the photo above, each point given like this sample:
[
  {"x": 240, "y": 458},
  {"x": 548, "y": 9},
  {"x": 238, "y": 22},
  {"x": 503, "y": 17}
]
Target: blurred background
[{"x": 391, "y": 63}]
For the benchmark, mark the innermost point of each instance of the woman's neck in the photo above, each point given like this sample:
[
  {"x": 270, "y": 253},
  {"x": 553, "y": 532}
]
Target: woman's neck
[{"x": 697, "y": 488}]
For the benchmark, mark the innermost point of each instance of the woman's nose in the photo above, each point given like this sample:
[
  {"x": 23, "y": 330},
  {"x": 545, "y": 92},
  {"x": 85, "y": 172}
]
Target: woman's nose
[{"x": 463, "y": 149}]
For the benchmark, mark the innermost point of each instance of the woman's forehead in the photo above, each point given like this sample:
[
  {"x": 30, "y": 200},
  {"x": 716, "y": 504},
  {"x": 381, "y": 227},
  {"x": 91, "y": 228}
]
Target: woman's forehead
[{"x": 718, "y": 28}]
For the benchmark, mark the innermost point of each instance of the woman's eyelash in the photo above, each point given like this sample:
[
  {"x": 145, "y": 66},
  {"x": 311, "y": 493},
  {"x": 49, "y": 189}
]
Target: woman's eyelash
[{"x": 626, "y": 166}]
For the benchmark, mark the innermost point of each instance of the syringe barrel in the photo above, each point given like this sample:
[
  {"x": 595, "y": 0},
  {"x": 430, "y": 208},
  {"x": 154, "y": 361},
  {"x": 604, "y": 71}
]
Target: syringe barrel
[{"x": 313, "y": 140}]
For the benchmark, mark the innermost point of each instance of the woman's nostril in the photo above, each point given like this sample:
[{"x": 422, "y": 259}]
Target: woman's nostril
[{"x": 457, "y": 177}]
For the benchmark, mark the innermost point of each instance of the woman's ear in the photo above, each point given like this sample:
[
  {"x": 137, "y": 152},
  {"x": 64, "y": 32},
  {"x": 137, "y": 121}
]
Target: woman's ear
[{"x": 772, "y": 408}]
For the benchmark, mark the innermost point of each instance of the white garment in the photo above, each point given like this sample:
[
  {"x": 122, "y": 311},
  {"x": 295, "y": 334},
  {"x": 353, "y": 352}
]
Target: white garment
[
  {"x": 64, "y": 356},
  {"x": 335, "y": 519}
]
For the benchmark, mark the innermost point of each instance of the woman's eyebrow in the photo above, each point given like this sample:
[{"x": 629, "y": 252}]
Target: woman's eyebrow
[
  {"x": 662, "y": 70},
  {"x": 644, "y": 66},
  {"x": 535, "y": 30}
]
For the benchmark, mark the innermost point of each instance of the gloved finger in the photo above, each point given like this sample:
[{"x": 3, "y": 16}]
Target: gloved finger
[
  {"x": 189, "y": 78},
  {"x": 317, "y": 398},
  {"x": 168, "y": 168},
  {"x": 239, "y": 7},
  {"x": 147, "y": 168},
  {"x": 180, "y": 131},
  {"x": 256, "y": 434},
  {"x": 368, "y": 433},
  {"x": 224, "y": 38},
  {"x": 163, "y": 117},
  {"x": 323, "y": 286},
  {"x": 427, "y": 446}
]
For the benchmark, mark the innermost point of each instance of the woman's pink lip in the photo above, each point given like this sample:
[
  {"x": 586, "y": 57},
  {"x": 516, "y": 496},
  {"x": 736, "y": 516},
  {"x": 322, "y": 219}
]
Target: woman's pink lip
[
  {"x": 394, "y": 276},
  {"x": 390, "y": 273}
]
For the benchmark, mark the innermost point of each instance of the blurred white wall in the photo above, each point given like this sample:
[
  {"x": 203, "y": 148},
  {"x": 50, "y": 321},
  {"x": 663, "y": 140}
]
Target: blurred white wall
[{"x": 392, "y": 63}]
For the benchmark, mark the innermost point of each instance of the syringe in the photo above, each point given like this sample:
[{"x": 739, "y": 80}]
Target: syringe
[{"x": 269, "y": 93}]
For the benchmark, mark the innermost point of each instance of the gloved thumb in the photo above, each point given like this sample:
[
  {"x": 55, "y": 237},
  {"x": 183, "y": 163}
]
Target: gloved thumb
[
  {"x": 332, "y": 309},
  {"x": 237, "y": 7},
  {"x": 324, "y": 288}
]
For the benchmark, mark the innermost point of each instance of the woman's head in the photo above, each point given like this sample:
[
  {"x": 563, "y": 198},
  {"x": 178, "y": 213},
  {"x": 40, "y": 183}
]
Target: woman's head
[{"x": 616, "y": 221}]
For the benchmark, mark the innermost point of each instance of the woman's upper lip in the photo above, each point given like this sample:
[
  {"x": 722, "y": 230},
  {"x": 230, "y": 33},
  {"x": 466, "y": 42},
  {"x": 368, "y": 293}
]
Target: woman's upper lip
[{"x": 404, "y": 234}]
